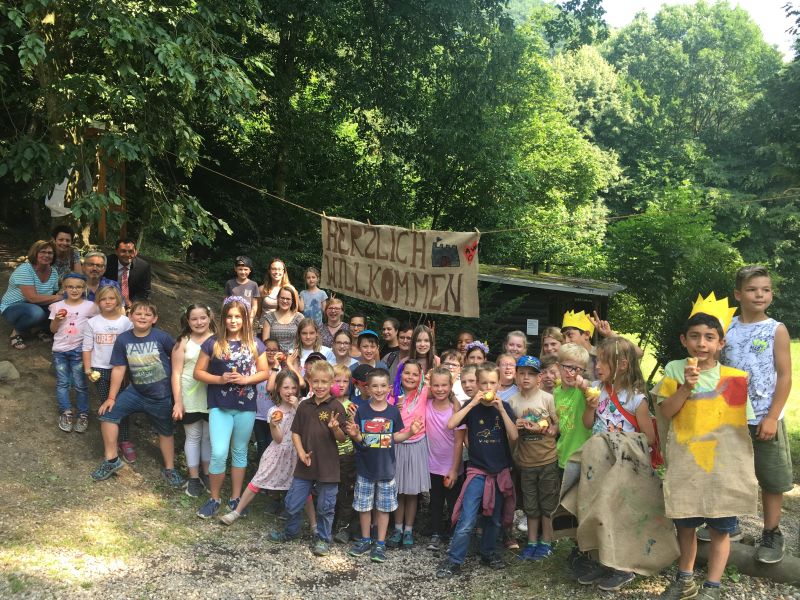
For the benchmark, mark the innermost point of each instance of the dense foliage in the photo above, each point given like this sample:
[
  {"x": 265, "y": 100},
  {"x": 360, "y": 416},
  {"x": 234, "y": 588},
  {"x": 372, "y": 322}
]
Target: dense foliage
[{"x": 450, "y": 114}]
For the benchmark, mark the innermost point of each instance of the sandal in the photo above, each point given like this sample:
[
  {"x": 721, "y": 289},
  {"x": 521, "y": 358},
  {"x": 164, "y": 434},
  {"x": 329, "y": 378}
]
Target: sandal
[{"x": 17, "y": 342}]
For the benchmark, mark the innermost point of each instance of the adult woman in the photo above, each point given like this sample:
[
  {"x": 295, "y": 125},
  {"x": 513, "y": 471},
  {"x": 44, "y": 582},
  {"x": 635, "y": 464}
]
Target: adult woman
[
  {"x": 68, "y": 258},
  {"x": 31, "y": 288},
  {"x": 396, "y": 358},
  {"x": 281, "y": 324},
  {"x": 358, "y": 323},
  {"x": 516, "y": 344},
  {"x": 334, "y": 312},
  {"x": 94, "y": 265},
  {"x": 389, "y": 330},
  {"x": 275, "y": 279},
  {"x": 552, "y": 338},
  {"x": 341, "y": 349}
]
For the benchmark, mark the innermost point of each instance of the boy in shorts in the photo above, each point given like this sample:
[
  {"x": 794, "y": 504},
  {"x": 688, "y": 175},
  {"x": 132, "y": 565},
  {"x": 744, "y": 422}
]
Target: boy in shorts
[
  {"x": 144, "y": 352},
  {"x": 375, "y": 429}
]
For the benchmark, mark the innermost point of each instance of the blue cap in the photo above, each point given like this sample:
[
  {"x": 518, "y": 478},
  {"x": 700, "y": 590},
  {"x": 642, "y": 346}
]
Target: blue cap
[
  {"x": 74, "y": 276},
  {"x": 530, "y": 361},
  {"x": 369, "y": 332}
]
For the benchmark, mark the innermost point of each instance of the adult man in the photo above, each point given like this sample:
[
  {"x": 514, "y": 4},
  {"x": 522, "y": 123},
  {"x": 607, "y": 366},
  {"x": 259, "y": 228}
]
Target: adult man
[
  {"x": 94, "y": 265},
  {"x": 132, "y": 272}
]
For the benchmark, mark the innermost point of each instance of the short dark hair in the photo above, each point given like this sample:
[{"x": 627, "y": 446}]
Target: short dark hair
[
  {"x": 405, "y": 327},
  {"x": 704, "y": 319},
  {"x": 747, "y": 273},
  {"x": 380, "y": 372},
  {"x": 125, "y": 240},
  {"x": 62, "y": 229},
  {"x": 395, "y": 323}
]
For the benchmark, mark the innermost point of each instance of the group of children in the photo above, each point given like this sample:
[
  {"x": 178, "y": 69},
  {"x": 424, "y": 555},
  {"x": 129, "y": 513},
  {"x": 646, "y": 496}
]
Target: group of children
[{"x": 354, "y": 441}]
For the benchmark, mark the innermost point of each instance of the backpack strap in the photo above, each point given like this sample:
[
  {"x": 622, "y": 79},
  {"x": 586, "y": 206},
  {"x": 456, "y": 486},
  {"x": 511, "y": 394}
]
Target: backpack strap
[{"x": 628, "y": 416}]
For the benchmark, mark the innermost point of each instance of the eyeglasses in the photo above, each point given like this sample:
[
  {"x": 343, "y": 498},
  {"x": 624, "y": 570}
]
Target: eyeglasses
[
  {"x": 45, "y": 252},
  {"x": 572, "y": 369},
  {"x": 404, "y": 338},
  {"x": 94, "y": 265},
  {"x": 73, "y": 287},
  {"x": 342, "y": 343},
  {"x": 284, "y": 299},
  {"x": 451, "y": 365}
]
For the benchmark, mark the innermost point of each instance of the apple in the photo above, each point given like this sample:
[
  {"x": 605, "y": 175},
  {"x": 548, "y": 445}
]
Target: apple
[
  {"x": 277, "y": 416},
  {"x": 488, "y": 397},
  {"x": 448, "y": 483},
  {"x": 62, "y": 313},
  {"x": 94, "y": 376},
  {"x": 543, "y": 424}
]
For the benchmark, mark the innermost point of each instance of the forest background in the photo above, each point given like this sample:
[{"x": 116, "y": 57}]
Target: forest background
[{"x": 662, "y": 155}]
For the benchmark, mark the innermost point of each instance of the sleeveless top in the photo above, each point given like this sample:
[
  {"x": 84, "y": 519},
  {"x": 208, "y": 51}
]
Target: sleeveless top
[
  {"x": 194, "y": 392},
  {"x": 750, "y": 347}
]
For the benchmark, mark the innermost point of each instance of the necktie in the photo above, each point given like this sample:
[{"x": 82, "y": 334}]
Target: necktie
[{"x": 124, "y": 284}]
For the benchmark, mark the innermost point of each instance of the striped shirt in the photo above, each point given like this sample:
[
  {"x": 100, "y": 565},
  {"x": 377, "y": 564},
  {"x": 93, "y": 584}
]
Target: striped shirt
[{"x": 26, "y": 275}]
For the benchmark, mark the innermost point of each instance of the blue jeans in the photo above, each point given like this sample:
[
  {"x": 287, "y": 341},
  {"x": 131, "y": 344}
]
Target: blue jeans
[
  {"x": 24, "y": 315},
  {"x": 326, "y": 504},
  {"x": 69, "y": 374},
  {"x": 229, "y": 429},
  {"x": 470, "y": 511}
]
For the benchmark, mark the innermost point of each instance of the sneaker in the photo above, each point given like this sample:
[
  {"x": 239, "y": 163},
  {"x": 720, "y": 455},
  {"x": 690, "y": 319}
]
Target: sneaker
[
  {"x": 360, "y": 547},
  {"x": 447, "y": 569},
  {"x": 127, "y": 452},
  {"x": 529, "y": 552},
  {"x": 680, "y": 589},
  {"x": 106, "y": 469},
  {"x": 172, "y": 477},
  {"x": 206, "y": 481},
  {"x": 279, "y": 536},
  {"x": 209, "y": 509},
  {"x": 709, "y": 593},
  {"x": 522, "y": 526},
  {"x": 395, "y": 539},
  {"x": 195, "y": 487},
  {"x": 543, "y": 551},
  {"x": 593, "y": 574},
  {"x": 342, "y": 536},
  {"x": 378, "y": 554},
  {"x": 65, "y": 421},
  {"x": 321, "y": 547},
  {"x": 493, "y": 561},
  {"x": 233, "y": 504},
  {"x": 770, "y": 550},
  {"x": 408, "y": 540},
  {"x": 615, "y": 580},
  {"x": 83, "y": 423},
  {"x": 581, "y": 565},
  {"x": 230, "y": 518},
  {"x": 436, "y": 543},
  {"x": 703, "y": 535}
]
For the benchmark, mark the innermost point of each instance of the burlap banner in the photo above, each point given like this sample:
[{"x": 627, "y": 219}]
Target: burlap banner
[{"x": 420, "y": 271}]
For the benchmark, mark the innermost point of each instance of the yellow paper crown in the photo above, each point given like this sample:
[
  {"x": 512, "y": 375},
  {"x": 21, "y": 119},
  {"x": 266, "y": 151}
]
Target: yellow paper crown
[
  {"x": 578, "y": 320},
  {"x": 715, "y": 308}
]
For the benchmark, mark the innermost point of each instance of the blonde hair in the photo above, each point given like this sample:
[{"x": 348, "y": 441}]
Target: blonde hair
[
  {"x": 221, "y": 346},
  {"x": 612, "y": 351},
  {"x": 519, "y": 334},
  {"x": 552, "y": 332},
  {"x": 341, "y": 370},
  {"x": 574, "y": 352},
  {"x": 298, "y": 341},
  {"x": 37, "y": 247},
  {"x": 441, "y": 372},
  {"x": 105, "y": 291},
  {"x": 321, "y": 367}
]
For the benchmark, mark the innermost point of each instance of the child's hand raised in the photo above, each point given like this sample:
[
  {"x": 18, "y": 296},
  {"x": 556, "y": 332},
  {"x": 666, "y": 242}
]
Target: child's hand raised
[
  {"x": 580, "y": 382},
  {"x": 293, "y": 401},
  {"x": 602, "y": 327},
  {"x": 333, "y": 422},
  {"x": 352, "y": 429},
  {"x": 351, "y": 410},
  {"x": 416, "y": 426},
  {"x": 691, "y": 372}
]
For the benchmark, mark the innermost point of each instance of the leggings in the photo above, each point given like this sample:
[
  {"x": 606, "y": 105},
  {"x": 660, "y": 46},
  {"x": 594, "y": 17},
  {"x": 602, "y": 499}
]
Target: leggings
[
  {"x": 103, "y": 388},
  {"x": 440, "y": 495},
  {"x": 229, "y": 430},
  {"x": 198, "y": 444},
  {"x": 263, "y": 437}
]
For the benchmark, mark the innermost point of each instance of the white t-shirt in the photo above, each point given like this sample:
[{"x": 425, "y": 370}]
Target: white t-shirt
[
  {"x": 99, "y": 336},
  {"x": 70, "y": 333}
]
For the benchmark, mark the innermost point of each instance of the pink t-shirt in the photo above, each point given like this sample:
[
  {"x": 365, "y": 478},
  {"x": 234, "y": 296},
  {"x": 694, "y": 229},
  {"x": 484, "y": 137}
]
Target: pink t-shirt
[
  {"x": 413, "y": 408},
  {"x": 70, "y": 333},
  {"x": 441, "y": 440}
]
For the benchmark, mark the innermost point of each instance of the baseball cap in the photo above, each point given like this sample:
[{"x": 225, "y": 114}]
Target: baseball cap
[
  {"x": 243, "y": 261},
  {"x": 368, "y": 332},
  {"x": 530, "y": 361},
  {"x": 361, "y": 372},
  {"x": 315, "y": 356}
]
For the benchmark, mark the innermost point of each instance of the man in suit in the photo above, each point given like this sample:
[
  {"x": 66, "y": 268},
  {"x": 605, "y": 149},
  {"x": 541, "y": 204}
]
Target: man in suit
[{"x": 132, "y": 272}]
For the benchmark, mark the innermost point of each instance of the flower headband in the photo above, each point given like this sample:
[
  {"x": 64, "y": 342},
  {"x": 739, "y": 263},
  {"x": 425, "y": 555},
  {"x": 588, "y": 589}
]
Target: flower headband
[
  {"x": 478, "y": 344},
  {"x": 238, "y": 299}
]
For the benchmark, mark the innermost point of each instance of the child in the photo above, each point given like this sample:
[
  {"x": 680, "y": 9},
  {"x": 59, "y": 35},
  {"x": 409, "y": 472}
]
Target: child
[
  {"x": 277, "y": 463},
  {"x": 444, "y": 452},
  {"x": 359, "y": 391},
  {"x": 759, "y": 345},
  {"x": 570, "y": 401},
  {"x": 341, "y": 350},
  {"x": 490, "y": 431},
  {"x": 578, "y": 328},
  {"x": 552, "y": 338},
  {"x": 410, "y": 396},
  {"x": 144, "y": 352},
  {"x": 376, "y": 429},
  {"x": 368, "y": 349},
  {"x": 516, "y": 344},
  {"x": 242, "y": 285},
  {"x": 344, "y": 520},
  {"x": 551, "y": 374},
  {"x": 315, "y": 431},
  {"x": 308, "y": 341},
  {"x": 67, "y": 320},
  {"x": 99, "y": 335},
  {"x": 462, "y": 341},
  {"x": 313, "y": 299},
  {"x": 710, "y": 473},
  {"x": 469, "y": 382},
  {"x": 621, "y": 406},
  {"x": 261, "y": 427},
  {"x": 507, "y": 367},
  {"x": 190, "y": 395},
  {"x": 535, "y": 456},
  {"x": 476, "y": 353},
  {"x": 231, "y": 363},
  {"x": 423, "y": 348}
]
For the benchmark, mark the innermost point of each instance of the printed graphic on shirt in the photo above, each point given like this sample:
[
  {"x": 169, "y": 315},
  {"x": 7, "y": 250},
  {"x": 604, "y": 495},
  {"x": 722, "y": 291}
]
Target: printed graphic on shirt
[
  {"x": 241, "y": 361},
  {"x": 526, "y": 435},
  {"x": 324, "y": 416},
  {"x": 378, "y": 432},
  {"x": 487, "y": 434},
  {"x": 144, "y": 362}
]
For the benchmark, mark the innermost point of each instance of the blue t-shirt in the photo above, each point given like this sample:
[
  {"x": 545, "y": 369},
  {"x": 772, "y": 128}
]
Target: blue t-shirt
[
  {"x": 232, "y": 395},
  {"x": 312, "y": 304},
  {"x": 375, "y": 458},
  {"x": 148, "y": 361},
  {"x": 488, "y": 442}
]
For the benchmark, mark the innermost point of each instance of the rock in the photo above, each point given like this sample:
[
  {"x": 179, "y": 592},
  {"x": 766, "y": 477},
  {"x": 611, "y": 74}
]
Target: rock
[{"x": 8, "y": 372}]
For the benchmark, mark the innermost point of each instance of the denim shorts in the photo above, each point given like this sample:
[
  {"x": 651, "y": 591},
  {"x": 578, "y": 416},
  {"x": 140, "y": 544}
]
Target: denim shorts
[
  {"x": 370, "y": 492},
  {"x": 722, "y": 524},
  {"x": 158, "y": 410}
]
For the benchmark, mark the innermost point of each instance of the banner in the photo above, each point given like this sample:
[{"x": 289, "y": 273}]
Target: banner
[{"x": 419, "y": 271}]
